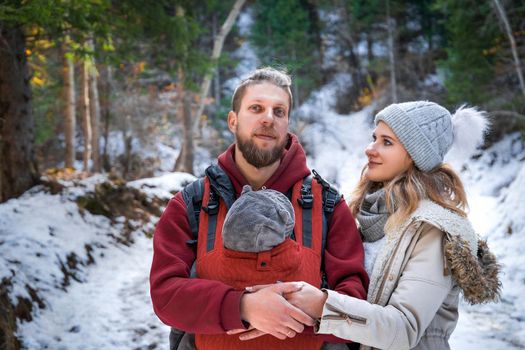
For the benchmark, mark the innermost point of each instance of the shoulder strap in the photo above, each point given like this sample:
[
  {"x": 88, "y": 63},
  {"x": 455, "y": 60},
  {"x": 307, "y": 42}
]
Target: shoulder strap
[
  {"x": 331, "y": 195},
  {"x": 307, "y": 202},
  {"x": 192, "y": 195},
  {"x": 331, "y": 198},
  {"x": 219, "y": 185},
  {"x": 208, "y": 219}
]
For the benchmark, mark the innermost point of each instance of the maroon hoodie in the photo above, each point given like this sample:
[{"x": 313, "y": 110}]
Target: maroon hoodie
[{"x": 206, "y": 306}]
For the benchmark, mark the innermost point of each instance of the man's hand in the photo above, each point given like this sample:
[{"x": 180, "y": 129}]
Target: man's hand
[
  {"x": 247, "y": 334},
  {"x": 268, "y": 311},
  {"x": 309, "y": 299}
]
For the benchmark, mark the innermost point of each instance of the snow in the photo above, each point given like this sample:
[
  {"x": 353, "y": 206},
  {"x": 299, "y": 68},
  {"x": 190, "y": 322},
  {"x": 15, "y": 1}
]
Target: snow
[
  {"x": 36, "y": 231},
  {"x": 105, "y": 303},
  {"x": 163, "y": 186},
  {"x": 245, "y": 54},
  {"x": 496, "y": 186},
  {"x": 336, "y": 142},
  {"x": 112, "y": 311}
]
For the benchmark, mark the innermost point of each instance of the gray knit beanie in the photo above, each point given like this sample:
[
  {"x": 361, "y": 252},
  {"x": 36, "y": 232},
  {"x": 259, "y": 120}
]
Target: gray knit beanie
[
  {"x": 424, "y": 128},
  {"x": 258, "y": 221}
]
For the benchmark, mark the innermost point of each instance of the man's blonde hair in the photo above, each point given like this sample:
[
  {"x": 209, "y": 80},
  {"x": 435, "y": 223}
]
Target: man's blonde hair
[{"x": 267, "y": 74}]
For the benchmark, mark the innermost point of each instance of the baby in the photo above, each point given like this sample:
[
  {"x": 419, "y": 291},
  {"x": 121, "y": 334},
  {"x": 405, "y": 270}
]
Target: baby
[{"x": 258, "y": 221}]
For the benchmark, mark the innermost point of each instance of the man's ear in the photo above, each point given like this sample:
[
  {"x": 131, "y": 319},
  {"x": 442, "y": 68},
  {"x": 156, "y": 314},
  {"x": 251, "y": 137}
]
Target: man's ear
[{"x": 232, "y": 121}]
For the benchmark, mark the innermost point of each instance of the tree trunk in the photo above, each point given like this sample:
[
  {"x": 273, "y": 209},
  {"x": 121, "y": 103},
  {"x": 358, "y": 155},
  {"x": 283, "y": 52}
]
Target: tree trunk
[
  {"x": 86, "y": 117},
  {"x": 217, "y": 88},
  {"x": 69, "y": 97},
  {"x": 94, "y": 104},
  {"x": 216, "y": 75},
  {"x": 18, "y": 167},
  {"x": 105, "y": 110},
  {"x": 295, "y": 87},
  {"x": 128, "y": 144},
  {"x": 216, "y": 53},
  {"x": 179, "y": 160},
  {"x": 503, "y": 16},
  {"x": 315, "y": 29},
  {"x": 184, "y": 161},
  {"x": 355, "y": 62},
  {"x": 391, "y": 55},
  {"x": 369, "y": 48},
  {"x": 205, "y": 87}
]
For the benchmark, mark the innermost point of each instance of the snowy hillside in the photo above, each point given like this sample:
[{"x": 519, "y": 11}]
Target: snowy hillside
[{"x": 79, "y": 280}]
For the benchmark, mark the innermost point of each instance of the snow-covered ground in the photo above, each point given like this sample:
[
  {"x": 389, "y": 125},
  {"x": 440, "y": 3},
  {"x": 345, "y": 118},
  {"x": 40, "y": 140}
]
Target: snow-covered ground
[
  {"x": 496, "y": 187},
  {"x": 105, "y": 302}
]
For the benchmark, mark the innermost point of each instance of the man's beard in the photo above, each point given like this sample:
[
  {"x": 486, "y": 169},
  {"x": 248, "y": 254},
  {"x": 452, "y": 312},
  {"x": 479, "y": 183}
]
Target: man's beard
[{"x": 257, "y": 157}]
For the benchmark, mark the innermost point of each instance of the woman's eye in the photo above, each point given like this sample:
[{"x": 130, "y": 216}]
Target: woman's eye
[{"x": 387, "y": 143}]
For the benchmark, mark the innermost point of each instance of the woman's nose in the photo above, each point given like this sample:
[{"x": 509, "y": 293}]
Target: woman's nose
[{"x": 370, "y": 150}]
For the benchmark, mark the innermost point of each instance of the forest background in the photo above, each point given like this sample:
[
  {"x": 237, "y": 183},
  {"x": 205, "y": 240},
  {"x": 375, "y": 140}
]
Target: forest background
[
  {"x": 99, "y": 87},
  {"x": 76, "y": 74}
]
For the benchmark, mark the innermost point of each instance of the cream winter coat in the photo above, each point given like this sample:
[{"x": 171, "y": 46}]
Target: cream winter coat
[{"x": 415, "y": 285}]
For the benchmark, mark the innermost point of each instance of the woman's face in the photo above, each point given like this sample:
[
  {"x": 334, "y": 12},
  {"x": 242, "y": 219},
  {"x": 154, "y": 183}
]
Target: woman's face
[{"x": 387, "y": 157}]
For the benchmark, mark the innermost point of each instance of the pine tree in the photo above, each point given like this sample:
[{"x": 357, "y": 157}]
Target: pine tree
[
  {"x": 470, "y": 60},
  {"x": 284, "y": 34}
]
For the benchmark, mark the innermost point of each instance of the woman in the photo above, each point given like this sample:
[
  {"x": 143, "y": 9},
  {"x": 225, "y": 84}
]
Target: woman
[{"x": 412, "y": 206}]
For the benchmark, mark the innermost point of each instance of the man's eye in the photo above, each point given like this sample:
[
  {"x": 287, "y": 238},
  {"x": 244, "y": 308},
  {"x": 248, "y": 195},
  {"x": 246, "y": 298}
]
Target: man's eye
[
  {"x": 280, "y": 112},
  {"x": 255, "y": 108}
]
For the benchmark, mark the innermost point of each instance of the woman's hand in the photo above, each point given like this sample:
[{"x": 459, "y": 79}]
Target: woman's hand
[
  {"x": 268, "y": 312},
  {"x": 302, "y": 295},
  {"x": 309, "y": 299}
]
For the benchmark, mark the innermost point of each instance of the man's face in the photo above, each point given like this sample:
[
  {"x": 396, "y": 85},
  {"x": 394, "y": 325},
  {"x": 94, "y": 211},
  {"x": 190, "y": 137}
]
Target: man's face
[{"x": 261, "y": 125}]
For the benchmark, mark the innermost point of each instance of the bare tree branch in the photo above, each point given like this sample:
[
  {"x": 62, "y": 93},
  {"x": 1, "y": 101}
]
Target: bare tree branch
[
  {"x": 503, "y": 17},
  {"x": 217, "y": 49}
]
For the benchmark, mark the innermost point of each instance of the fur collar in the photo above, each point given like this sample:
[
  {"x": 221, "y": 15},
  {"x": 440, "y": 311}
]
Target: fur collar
[
  {"x": 472, "y": 265},
  {"x": 447, "y": 221}
]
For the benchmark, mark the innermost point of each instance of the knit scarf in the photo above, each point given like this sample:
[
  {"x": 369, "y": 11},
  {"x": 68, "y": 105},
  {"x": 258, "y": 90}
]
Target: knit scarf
[{"x": 373, "y": 215}]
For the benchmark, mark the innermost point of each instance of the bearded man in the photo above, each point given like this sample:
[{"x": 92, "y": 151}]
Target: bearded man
[{"x": 265, "y": 156}]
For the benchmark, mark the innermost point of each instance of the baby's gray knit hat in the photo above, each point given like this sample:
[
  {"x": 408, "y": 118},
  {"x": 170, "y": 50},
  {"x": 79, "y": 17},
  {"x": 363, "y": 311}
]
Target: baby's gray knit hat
[
  {"x": 424, "y": 128},
  {"x": 258, "y": 221}
]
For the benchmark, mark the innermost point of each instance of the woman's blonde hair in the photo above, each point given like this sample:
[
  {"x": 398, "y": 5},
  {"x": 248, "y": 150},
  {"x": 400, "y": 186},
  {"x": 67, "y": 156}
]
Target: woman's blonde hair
[{"x": 404, "y": 192}]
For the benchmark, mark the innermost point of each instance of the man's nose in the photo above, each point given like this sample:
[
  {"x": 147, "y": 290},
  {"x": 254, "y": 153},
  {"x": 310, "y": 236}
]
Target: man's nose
[{"x": 268, "y": 117}]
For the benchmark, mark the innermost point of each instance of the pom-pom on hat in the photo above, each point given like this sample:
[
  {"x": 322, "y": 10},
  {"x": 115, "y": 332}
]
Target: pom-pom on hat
[
  {"x": 428, "y": 130},
  {"x": 258, "y": 221}
]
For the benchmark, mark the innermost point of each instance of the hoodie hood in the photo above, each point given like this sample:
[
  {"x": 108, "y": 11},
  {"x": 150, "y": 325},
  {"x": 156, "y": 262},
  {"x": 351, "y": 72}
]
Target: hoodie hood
[{"x": 291, "y": 169}]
